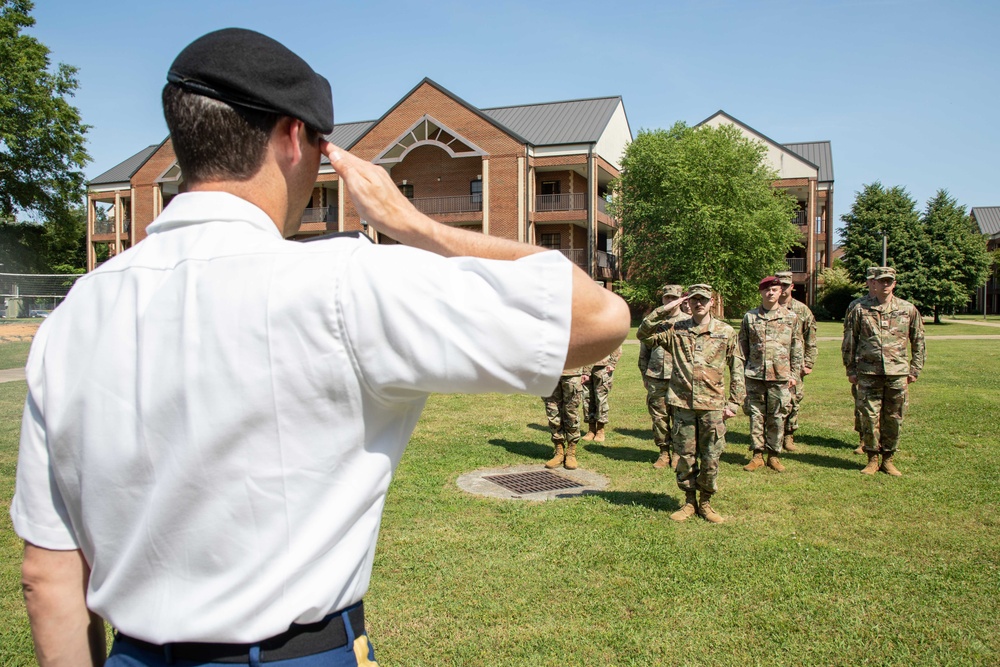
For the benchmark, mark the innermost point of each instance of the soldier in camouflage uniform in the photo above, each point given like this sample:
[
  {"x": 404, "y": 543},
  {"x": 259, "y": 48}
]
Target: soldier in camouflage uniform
[
  {"x": 597, "y": 383},
  {"x": 876, "y": 333},
  {"x": 807, "y": 328},
  {"x": 870, "y": 281},
  {"x": 562, "y": 409},
  {"x": 701, "y": 348},
  {"x": 770, "y": 344},
  {"x": 655, "y": 365}
]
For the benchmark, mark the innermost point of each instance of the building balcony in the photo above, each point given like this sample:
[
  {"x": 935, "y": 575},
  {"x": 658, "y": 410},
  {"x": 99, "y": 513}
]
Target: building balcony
[
  {"x": 322, "y": 214},
  {"x": 572, "y": 202},
  {"x": 607, "y": 263},
  {"x": 446, "y": 205},
  {"x": 800, "y": 217},
  {"x": 796, "y": 264},
  {"x": 105, "y": 229}
]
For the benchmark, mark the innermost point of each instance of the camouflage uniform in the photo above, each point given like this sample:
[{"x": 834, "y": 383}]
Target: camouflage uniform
[
  {"x": 562, "y": 408},
  {"x": 770, "y": 344},
  {"x": 807, "y": 329},
  {"x": 598, "y": 386},
  {"x": 874, "y": 350},
  {"x": 656, "y": 364},
  {"x": 696, "y": 392}
]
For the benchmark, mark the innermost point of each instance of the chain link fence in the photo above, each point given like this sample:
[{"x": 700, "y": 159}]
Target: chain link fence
[{"x": 33, "y": 294}]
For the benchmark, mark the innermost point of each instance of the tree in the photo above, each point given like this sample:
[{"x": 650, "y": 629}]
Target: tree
[
  {"x": 41, "y": 135},
  {"x": 696, "y": 206},
  {"x": 837, "y": 292},
  {"x": 890, "y": 211},
  {"x": 955, "y": 258},
  {"x": 22, "y": 247}
]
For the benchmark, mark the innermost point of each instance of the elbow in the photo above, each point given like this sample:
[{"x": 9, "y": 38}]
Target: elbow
[{"x": 598, "y": 332}]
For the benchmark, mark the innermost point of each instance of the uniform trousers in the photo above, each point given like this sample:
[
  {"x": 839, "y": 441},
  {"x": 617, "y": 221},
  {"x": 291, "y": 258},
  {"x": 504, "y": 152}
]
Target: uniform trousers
[
  {"x": 768, "y": 402},
  {"x": 881, "y": 403},
  {"x": 698, "y": 438},
  {"x": 595, "y": 394},
  {"x": 796, "y": 394},
  {"x": 562, "y": 409},
  {"x": 659, "y": 410}
]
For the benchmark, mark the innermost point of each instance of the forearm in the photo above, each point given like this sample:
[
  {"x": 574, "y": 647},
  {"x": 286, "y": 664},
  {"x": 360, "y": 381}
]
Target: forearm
[{"x": 65, "y": 632}]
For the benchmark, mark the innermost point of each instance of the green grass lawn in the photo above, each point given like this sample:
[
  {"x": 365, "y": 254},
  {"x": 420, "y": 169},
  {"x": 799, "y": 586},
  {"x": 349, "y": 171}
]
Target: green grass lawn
[{"x": 816, "y": 566}]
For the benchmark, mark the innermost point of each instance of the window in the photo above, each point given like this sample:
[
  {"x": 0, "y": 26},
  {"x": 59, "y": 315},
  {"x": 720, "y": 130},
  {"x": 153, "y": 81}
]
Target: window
[
  {"x": 550, "y": 241},
  {"x": 407, "y": 190},
  {"x": 819, "y": 224}
]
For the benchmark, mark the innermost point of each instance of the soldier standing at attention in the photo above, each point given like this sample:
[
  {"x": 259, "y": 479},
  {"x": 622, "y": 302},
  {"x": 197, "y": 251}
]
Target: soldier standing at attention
[
  {"x": 655, "y": 364},
  {"x": 807, "y": 328},
  {"x": 875, "y": 335},
  {"x": 597, "y": 383},
  {"x": 562, "y": 409},
  {"x": 771, "y": 346},
  {"x": 870, "y": 281},
  {"x": 701, "y": 347}
]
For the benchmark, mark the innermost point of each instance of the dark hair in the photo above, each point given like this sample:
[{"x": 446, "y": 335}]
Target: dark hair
[{"x": 213, "y": 140}]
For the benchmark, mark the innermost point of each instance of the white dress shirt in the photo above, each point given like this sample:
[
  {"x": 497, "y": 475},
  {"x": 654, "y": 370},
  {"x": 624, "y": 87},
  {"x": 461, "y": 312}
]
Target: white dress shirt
[{"x": 214, "y": 416}]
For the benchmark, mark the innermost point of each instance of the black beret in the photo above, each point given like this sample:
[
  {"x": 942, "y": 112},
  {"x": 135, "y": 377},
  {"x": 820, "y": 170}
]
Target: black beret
[{"x": 248, "y": 69}]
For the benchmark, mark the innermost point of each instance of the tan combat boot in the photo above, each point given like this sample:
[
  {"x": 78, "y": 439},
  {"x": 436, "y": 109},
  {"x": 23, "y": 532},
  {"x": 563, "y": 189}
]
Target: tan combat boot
[
  {"x": 861, "y": 448},
  {"x": 705, "y": 510},
  {"x": 756, "y": 462},
  {"x": 789, "y": 444},
  {"x": 665, "y": 457},
  {"x": 674, "y": 458},
  {"x": 688, "y": 510},
  {"x": 591, "y": 433},
  {"x": 888, "y": 467},
  {"x": 872, "y": 466},
  {"x": 556, "y": 460},
  {"x": 774, "y": 463},
  {"x": 599, "y": 435},
  {"x": 570, "y": 462}
]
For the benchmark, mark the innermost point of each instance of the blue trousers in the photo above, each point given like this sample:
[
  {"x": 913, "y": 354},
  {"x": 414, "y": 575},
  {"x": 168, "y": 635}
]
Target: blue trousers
[{"x": 358, "y": 652}]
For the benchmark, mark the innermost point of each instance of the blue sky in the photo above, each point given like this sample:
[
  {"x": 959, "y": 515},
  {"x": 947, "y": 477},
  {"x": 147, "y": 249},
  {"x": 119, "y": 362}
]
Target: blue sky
[{"x": 906, "y": 90}]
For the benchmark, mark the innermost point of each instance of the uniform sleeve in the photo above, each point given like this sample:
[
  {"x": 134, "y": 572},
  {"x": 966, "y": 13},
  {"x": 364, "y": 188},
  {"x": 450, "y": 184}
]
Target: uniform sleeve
[
  {"x": 615, "y": 356},
  {"x": 737, "y": 379},
  {"x": 917, "y": 347},
  {"x": 743, "y": 341},
  {"x": 419, "y": 323},
  {"x": 644, "y": 351},
  {"x": 809, "y": 345},
  {"x": 850, "y": 340},
  {"x": 796, "y": 354},
  {"x": 650, "y": 324}
]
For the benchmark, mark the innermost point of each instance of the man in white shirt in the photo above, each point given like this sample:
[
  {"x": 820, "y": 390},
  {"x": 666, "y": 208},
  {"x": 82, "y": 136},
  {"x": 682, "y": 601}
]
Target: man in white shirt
[{"x": 214, "y": 416}]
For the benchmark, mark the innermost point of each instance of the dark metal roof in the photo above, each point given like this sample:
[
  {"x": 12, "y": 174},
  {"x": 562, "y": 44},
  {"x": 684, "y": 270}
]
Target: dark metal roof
[
  {"x": 346, "y": 134},
  {"x": 988, "y": 219},
  {"x": 553, "y": 123},
  {"x": 817, "y": 152},
  {"x": 123, "y": 172}
]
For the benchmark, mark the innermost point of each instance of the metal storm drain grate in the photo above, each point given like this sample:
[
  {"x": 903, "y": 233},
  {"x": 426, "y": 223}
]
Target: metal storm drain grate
[{"x": 533, "y": 482}]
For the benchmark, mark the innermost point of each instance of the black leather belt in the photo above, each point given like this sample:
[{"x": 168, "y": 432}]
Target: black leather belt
[{"x": 297, "y": 641}]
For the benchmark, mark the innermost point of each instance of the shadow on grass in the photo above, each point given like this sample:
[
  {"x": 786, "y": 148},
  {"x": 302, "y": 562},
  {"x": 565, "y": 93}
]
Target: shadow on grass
[
  {"x": 640, "y": 433},
  {"x": 821, "y": 441},
  {"x": 529, "y": 450},
  {"x": 658, "y": 502},
  {"x": 621, "y": 453},
  {"x": 544, "y": 428},
  {"x": 741, "y": 458}
]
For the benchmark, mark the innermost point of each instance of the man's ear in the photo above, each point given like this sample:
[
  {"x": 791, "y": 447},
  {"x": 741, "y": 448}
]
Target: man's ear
[{"x": 289, "y": 133}]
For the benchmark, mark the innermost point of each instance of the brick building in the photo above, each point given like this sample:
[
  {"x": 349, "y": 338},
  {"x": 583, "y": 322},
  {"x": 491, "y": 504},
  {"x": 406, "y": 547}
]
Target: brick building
[
  {"x": 987, "y": 299},
  {"x": 536, "y": 173},
  {"x": 805, "y": 170}
]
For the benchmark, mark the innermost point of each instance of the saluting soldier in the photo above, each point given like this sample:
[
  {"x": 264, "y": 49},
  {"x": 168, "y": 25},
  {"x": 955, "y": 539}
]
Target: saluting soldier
[
  {"x": 656, "y": 364},
  {"x": 701, "y": 348},
  {"x": 770, "y": 345},
  {"x": 876, "y": 333},
  {"x": 807, "y": 328}
]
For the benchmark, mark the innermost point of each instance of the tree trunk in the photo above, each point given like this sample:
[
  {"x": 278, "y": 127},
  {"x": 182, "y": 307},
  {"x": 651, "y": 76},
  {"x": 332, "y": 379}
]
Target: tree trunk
[{"x": 937, "y": 315}]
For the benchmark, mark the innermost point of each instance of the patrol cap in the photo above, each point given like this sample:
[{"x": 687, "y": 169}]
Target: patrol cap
[
  {"x": 784, "y": 277},
  {"x": 767, "y": 282},
  {"x": 670, "y": 290},
  {"x": 247, "y": 69},
  {"x": 701, "y": 289},
  {"x": 870, "y": 272},
  {"x": 884, "y": 272}
]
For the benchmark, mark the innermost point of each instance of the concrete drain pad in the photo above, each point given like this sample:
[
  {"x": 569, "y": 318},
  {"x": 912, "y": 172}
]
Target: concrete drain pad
[{"x": 532, "y": 482}]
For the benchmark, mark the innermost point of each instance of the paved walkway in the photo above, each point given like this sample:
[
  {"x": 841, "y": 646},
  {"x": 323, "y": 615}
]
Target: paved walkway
[
  {"x": 978, "y": 323},
  {"x": 12, "y": 375}
]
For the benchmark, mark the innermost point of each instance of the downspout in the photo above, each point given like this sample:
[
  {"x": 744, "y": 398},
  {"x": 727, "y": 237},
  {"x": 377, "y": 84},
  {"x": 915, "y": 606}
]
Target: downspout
[{"x": 591, "y": 216}]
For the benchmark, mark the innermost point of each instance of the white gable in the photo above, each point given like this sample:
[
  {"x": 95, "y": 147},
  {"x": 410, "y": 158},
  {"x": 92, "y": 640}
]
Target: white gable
[
  {"x": 779, "y": 158},
  {"x": 614, "y": 139}
]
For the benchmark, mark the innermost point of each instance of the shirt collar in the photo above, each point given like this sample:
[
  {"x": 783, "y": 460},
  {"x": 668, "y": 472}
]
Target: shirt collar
[{"x": 192, "y": 208}]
